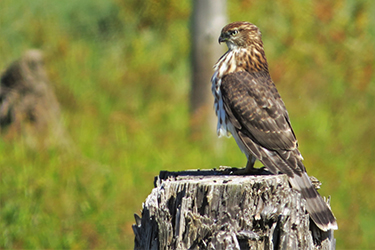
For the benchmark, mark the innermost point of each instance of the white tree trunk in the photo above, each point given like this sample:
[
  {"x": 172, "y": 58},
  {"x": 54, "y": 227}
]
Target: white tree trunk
[{"x": 208, "y": 18}]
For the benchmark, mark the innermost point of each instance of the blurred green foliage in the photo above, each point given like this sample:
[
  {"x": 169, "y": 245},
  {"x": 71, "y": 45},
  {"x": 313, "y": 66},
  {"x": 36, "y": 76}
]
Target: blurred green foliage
[{"x": 121, "y": 73}]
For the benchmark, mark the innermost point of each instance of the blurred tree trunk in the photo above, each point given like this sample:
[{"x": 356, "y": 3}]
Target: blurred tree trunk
[{"x": 208, "y": 18}]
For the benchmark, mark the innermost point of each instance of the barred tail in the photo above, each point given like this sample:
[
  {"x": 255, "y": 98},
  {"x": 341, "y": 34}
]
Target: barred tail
[
  {"x": 290, "y": 163},
  {"x": 317, "y": 208}
]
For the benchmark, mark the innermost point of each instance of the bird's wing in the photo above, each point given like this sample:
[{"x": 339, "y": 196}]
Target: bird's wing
[
  {"x": 261, "y": 121},
  {"x": 255, "y": 108}
]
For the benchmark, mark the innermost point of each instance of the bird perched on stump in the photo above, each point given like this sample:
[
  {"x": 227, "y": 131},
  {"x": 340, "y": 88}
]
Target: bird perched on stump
[{"x": 249, "y": 107}]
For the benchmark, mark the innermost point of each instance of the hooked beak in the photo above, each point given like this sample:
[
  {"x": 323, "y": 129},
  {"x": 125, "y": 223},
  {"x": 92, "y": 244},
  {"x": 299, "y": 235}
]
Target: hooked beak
[{"x": 222, "y": 39}]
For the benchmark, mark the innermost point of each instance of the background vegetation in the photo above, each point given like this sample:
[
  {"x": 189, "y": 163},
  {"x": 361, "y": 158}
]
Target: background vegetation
[{"x": 121, "y": 73}]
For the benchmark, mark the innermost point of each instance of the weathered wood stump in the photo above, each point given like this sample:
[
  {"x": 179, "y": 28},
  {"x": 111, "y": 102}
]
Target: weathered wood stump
[
  {"x": 214, "y": 210},
  {"x": 28, "y": 105}
]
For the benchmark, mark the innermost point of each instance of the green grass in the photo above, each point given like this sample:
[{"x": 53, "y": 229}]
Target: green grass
[{"x": 121, "y": 72}]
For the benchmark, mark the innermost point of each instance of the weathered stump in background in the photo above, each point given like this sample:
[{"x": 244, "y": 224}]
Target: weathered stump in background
[
  {"x": 212, "y": 210},
  {"x": 28, "y": 105}
]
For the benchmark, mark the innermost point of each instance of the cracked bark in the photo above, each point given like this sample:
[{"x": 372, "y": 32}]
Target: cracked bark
[{"x": 213, "y": 210}]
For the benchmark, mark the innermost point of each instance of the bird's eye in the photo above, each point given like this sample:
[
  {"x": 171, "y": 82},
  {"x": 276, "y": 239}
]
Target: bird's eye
[{"x": 233, "y": 32}]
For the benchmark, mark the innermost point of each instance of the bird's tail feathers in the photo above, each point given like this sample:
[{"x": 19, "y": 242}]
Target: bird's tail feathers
[
  {"x": 317, "y": 208},
  {"x": 290, "y": 163}
]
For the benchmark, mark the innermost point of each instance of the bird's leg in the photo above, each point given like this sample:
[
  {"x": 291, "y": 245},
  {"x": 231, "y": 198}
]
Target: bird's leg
[
  {"x": 249, "y": 169},
  {"x": 250, "y": 164}
]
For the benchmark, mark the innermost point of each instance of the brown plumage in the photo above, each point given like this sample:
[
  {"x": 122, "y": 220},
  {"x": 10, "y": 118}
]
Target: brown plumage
[{"x": 249, "y": 107}]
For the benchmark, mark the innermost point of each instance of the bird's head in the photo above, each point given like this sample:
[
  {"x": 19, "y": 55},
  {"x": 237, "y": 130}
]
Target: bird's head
[{"x": 240, "y": 35}]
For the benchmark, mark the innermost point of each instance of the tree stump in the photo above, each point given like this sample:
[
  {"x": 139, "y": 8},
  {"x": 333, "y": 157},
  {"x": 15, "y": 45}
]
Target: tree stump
[
  {"x": 28, "y": 105},
  {"x": 213, "y": 210}
]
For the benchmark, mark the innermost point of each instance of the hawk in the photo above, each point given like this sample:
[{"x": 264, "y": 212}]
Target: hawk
[{"x": 249, "y": 107}]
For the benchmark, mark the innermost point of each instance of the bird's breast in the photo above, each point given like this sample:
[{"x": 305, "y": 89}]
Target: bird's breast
[{"x": 222, "y": 119}]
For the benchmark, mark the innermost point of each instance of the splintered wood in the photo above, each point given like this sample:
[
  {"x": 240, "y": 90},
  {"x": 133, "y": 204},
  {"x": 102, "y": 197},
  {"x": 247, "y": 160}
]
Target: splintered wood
[{"x": 214, "y": 211}]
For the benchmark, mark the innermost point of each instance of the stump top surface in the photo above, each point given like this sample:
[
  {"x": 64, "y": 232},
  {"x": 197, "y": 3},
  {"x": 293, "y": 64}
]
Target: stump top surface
[
  {"x": 217, "y": 177},
  {"x": 215, "y": 209}
]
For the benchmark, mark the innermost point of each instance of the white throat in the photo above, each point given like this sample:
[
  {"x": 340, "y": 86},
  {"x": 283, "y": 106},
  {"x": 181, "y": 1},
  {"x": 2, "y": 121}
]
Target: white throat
[{"x": 231, "y": 46}]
